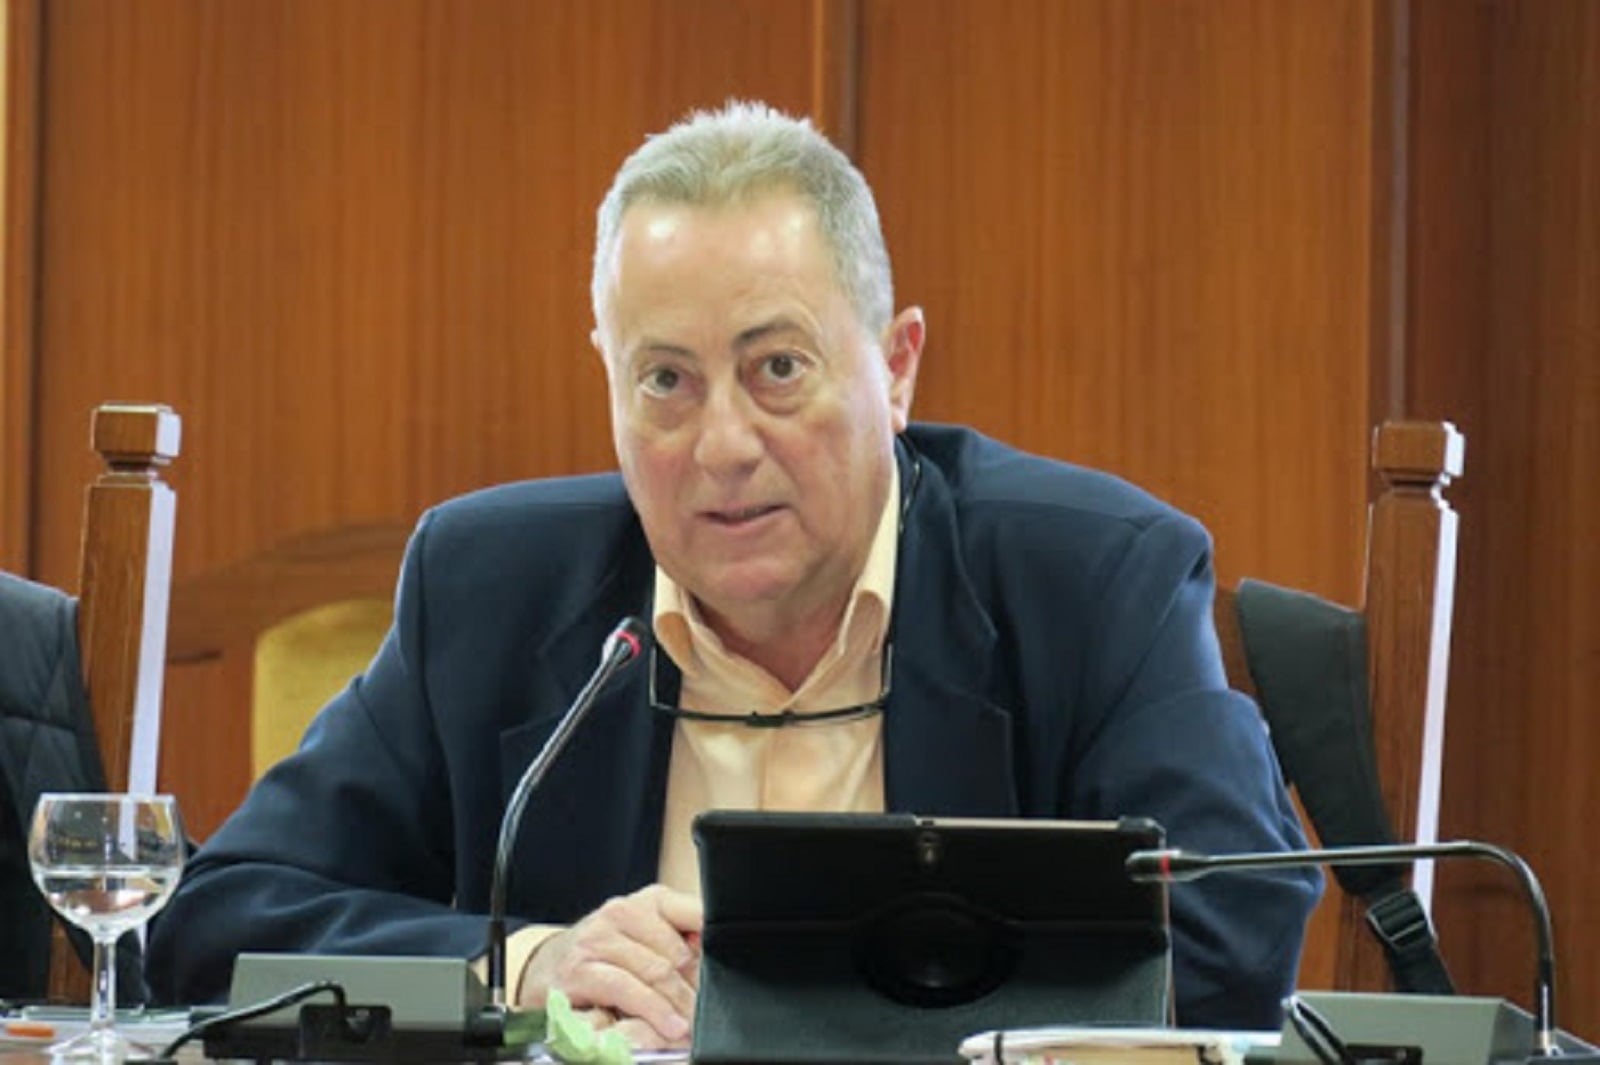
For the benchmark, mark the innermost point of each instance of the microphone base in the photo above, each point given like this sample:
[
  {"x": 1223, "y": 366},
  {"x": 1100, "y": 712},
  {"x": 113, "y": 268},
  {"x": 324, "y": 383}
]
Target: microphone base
[
  {"x": 1433, "y": 1029},
  {"x": 404, "y": 1009},
  {"x": 319, "y": 1034}
]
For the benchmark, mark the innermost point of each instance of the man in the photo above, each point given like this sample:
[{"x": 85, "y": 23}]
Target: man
[{"x": 974, "y": 631}]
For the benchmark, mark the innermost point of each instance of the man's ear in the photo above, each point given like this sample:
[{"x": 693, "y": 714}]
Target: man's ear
[
  {"x": 903, "y": 348},
  {"x": 596, "y": 343}
]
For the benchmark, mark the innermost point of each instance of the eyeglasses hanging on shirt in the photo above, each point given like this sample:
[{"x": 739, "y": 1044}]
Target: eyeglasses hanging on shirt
[{"x": 779, "y": 718}]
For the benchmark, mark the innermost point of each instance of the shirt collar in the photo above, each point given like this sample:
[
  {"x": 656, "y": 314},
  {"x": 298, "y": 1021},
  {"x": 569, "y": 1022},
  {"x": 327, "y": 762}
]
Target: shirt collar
[{"x": 681, "y": 629}]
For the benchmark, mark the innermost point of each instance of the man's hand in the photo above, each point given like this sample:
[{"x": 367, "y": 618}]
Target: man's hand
[{"x": 634, "y": 961}]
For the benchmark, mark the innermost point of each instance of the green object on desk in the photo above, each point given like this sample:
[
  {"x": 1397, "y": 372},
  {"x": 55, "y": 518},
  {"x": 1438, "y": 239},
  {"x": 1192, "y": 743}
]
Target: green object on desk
[{"x": 571, "y": 1039}]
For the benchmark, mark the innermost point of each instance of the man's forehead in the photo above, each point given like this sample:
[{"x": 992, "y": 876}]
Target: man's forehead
[
  {"x": 765, "y": 254},
  {"x": 670, "y": 249},
  {"x": 655, "y": 219}
]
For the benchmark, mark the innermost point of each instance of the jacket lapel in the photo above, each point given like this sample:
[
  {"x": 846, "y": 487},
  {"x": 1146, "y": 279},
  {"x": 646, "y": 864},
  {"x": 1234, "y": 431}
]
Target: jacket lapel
[
  {"x": 594, "y": 826},
  {"x": 947, "y": 745}
]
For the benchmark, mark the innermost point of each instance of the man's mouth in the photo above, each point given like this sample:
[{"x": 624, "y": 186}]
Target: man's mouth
[{"x": 741, "y": 515}]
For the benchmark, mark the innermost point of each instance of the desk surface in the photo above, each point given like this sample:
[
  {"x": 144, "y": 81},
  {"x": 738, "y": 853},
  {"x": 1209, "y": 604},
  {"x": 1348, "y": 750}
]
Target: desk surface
[{"x": 16, "y": 1052}]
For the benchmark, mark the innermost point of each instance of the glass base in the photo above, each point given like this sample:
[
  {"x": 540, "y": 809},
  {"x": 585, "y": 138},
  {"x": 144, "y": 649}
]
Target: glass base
[{"x": 105, "y": 1045}]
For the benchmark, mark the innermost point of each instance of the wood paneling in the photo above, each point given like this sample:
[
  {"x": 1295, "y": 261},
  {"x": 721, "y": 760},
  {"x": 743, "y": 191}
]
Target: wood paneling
[
  {"x": 835, "y": 63},
  {"x": 1506, "y": 337},
  {"x": 1390, "y": 167},
  {"x": 19, "y": 51},
  {"x": 348, "y": 240},
  {"x": 1141, "y": 236},
  {"x": 1144, "y": 236}
]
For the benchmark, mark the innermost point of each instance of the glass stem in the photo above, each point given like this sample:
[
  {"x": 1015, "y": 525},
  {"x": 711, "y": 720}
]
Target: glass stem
[{"x": 105, "y": 984}]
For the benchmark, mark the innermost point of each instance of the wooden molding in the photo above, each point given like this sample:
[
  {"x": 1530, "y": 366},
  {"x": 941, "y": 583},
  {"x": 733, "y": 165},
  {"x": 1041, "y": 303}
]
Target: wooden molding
[
  {"x": 835, "y": 69},
  {"x": 231, "y": 606},
  {"x": 19, "y": 221}
]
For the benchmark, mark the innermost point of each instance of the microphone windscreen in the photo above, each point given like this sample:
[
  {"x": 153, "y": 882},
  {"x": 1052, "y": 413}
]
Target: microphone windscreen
[{"x": 627, "y": 641}]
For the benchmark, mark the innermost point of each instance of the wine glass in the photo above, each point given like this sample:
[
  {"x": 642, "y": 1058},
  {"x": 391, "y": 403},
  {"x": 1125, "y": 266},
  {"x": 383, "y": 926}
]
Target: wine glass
[{"x": 106, "y": 863}]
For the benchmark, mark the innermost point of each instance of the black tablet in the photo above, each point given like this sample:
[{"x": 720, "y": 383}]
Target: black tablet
[{"x": 889, "y": 937}]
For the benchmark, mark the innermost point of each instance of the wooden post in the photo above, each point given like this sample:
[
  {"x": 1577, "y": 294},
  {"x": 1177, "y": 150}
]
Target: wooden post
[
  {"x": 124, "y": 578},
  {"x": 1409, "y": 599}
]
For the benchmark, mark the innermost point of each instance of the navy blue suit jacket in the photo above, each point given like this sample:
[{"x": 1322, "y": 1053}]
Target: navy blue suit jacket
[{"x": 1054, "y": 657}]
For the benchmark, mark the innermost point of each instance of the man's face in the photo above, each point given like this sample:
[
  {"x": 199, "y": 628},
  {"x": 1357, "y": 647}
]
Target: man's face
[{"x": 754, "y": 416}]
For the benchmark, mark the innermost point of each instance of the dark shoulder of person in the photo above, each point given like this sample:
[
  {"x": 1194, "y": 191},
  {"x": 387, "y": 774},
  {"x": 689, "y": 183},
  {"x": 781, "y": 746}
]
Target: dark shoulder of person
[
  {"x": 1000, "y": 490},
  {"x": 529, "y": 553}
]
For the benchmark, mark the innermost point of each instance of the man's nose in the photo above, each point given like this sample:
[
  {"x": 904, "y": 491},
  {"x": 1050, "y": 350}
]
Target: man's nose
[{"x": 729, "y": 440}]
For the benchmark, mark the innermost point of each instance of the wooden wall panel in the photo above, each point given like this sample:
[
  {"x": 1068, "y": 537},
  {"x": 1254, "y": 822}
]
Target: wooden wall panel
[
  {"x": 1140, "y": 232},
  {"x": 1506, "y": 339},
  {"x": 348, "y": 240}
]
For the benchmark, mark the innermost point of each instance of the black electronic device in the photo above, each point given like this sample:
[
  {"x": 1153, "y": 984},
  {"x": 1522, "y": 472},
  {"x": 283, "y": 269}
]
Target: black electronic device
[{"x": 887, "y": 938}]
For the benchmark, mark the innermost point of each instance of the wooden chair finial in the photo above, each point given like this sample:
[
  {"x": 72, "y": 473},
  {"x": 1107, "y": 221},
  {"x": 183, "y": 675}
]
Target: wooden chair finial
[
  {"x": 131, "y": 437},
  {"x": 1418, "y": 453}
]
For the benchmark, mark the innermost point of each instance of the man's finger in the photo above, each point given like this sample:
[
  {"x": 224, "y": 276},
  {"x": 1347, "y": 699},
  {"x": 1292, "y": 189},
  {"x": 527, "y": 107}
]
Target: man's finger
[
  {"x": 599, "y": 1018},
  {"x": 641, "y": 1036},
  {"x": 683, "y": 911},
  {"x": 629, "y": 991},
  {"x": 611, "y": 945},
  {"x": 660, "y": 920},
  {"x": 667, "y": 1007}
]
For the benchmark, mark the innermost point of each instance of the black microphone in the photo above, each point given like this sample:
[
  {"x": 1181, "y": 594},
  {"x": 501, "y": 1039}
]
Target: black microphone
[
  {"x": 625, "y": 644},
  {"x": 1179, "y": 866}
]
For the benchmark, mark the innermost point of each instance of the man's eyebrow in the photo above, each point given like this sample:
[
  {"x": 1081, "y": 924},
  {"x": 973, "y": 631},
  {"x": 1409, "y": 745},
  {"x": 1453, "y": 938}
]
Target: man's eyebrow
[
  {"x": 767, "y": 329},
  {"x": 660, "y": 347}
]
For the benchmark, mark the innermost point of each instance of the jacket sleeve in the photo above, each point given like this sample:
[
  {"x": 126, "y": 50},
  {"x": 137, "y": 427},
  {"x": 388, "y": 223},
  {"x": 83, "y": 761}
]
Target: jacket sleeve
[
  {"x": 345, "y": 847},
  {"x": 1163, "y": 736}
]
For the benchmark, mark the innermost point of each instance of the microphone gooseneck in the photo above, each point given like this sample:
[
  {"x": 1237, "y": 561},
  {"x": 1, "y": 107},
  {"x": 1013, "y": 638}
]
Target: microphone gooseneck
[
  {"x": 624, "y": 645},
  {"x": 1179, "y": 866}
]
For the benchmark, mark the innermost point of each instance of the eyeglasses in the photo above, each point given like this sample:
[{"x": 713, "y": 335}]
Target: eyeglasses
[{"x": 782, "y": 718}]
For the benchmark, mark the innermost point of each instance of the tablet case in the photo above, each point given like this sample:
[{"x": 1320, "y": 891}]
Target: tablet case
[{"x": 888, "y": 938}]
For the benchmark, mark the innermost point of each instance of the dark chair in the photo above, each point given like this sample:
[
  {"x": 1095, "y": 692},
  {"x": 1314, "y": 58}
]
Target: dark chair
[
  {"x": 1356, "y": 699},
  {"x": 47, "y": 743},
  {"x": 80, "y": 683}
]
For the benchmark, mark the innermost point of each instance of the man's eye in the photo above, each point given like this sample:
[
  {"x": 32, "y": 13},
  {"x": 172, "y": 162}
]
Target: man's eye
[
  {"x": 661, "y": 380},
  {"x": 783, "y": 366}
]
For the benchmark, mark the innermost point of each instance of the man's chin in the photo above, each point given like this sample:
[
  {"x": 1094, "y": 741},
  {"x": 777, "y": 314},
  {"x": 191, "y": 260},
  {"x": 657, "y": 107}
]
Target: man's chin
[
  {"x": 746, "y": 590},
  {"x": 752, "y": 592}
]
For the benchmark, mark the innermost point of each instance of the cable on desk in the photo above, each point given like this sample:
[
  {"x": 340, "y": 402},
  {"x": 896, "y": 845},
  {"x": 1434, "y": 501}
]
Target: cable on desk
[
  {"x": 1318, "y": 1034},
  {"x": 292, "y": 997}
]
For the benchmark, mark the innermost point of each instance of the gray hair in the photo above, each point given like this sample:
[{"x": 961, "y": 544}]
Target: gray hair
[{"x": 719, "y": 157}]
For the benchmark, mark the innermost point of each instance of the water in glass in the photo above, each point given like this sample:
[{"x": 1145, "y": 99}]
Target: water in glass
[{"x": 106, "y": 863}]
